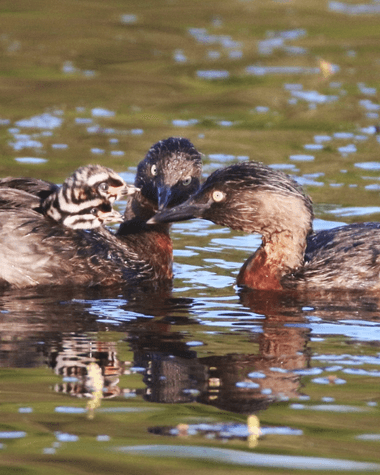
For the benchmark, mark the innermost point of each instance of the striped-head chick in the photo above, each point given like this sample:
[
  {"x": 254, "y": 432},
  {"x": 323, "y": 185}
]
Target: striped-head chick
[{"x": 85, "y": 196}]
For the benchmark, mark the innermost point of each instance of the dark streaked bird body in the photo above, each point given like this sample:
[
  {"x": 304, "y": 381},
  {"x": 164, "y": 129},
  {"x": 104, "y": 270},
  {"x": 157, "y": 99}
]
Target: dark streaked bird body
[
  {"x": 257, "y": 199},
  {"x": 138, "y": 253}
]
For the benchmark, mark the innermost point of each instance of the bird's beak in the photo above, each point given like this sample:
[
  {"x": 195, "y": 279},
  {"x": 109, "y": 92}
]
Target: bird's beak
[
  {"x": 128, "y": 190},
  {"x": 108, "y": 217},
  {"x": 188, "y": 210},
  {"x": 164, "y": 195}
]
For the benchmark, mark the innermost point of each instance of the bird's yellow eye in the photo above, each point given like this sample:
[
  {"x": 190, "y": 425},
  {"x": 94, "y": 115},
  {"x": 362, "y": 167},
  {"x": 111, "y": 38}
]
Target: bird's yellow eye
[
  {"x": 218, "y": 196},
  {"x": 186, "y": 181},
  {"x": 153, "y": 170}
]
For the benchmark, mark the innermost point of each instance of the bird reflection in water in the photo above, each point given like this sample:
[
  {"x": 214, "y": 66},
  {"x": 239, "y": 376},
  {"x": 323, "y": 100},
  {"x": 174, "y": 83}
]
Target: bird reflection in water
[{"x": 66, "y": 332}]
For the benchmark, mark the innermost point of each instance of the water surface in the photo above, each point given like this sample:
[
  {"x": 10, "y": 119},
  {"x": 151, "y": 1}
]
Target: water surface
[{"x": 203, "y": 372}]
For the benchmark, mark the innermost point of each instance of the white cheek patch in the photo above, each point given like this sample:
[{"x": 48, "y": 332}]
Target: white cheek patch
[
  {"x": 70, "y": 207},
  {"x": 84, "y": 221}
]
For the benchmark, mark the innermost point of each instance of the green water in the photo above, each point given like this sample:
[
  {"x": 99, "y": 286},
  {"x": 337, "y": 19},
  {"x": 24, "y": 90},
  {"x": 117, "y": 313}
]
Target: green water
[{"x": 175, "y": 367}]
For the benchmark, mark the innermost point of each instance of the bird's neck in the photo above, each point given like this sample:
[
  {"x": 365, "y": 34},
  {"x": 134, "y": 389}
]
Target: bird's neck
[{"x": 280, "y": 254}]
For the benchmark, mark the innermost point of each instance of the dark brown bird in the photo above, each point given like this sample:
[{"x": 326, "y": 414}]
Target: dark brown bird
[{"x": 257, "y": 199}]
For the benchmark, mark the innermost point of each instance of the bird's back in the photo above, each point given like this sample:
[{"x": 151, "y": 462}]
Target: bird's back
[{"x": 347, "y": 257}]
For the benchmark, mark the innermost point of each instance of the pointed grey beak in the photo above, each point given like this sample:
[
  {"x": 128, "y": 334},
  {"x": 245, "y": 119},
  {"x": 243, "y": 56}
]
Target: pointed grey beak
[
  {"x": 179, "y": 213},
  {"x": 164, "y": 195}
]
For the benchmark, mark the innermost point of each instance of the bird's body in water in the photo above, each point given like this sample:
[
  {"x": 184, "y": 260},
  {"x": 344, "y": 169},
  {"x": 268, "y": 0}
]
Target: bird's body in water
[
  {"x": 28, "y": 223},
  {"x": 137, "y": 253},
  {"x": 256, "y": 199}
]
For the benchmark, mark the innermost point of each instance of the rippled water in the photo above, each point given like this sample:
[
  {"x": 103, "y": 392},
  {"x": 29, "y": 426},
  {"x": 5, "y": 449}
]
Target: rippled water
[{"x": 205, "y": 373}]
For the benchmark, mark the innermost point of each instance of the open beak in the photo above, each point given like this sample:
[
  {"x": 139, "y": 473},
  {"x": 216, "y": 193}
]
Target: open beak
[
  {"x": 129, "y": 190},
  {"x": 116, "y": 192}
]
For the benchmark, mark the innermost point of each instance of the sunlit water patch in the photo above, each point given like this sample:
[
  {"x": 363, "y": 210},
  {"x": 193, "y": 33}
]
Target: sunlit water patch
[
  {"x": 31, "y": 160},
  {"x": 290, "y": 70},
  {"x": 354, "y": 211},
  {"x": 230, "y": 456},
  {"x": 212, "y": 74},
  {"x": 302, "y": 157},
  {"x": 22, "y": 141},
  {"x": 375, "y": 166},
  {"x": 43, "y": 121},
  {"x": 354, "y": 9}
]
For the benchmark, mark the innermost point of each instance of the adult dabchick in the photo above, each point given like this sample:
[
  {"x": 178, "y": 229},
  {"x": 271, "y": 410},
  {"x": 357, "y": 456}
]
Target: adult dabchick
[{"x": 257, "y": 199}]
